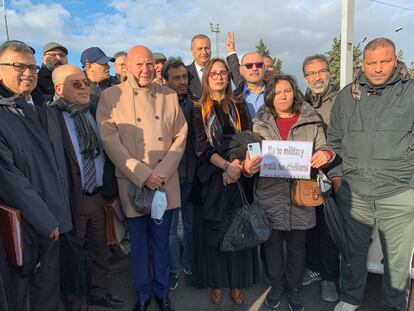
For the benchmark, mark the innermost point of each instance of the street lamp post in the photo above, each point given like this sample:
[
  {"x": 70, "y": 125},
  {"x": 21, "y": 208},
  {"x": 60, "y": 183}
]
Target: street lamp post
[
  {"x": 216, "y": 30},
  {"x": 5, "y": 20},
  {"x": 347, "y": 50}
]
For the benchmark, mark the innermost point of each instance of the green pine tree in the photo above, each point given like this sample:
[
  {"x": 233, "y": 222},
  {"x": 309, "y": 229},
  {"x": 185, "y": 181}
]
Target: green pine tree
[
  {"x": 334, "y": 57},
  {"x": 411, "y": 70},
  {"x": 263, "y": 50}
]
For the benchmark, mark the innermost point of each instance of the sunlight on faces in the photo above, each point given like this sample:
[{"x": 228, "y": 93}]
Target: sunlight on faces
[
  {"x": 201, "y": 50},
  {"x": 254, "y": 75},
  {"x": 378, "y": 65},
  {"x": 178, "y": 80},
  {"x": 71, "y": 85},
  {"x": 317, "y": 76},
  {"x": 97, "y": 72},
  {"x": 119, "y": 65},
  {"x": 158, "y": 65},
  {"x": 54, "y": 58},
  {"x": 219, "y": 81},
  {"x": 18, "y": 82},
  {"x": 283, "y": 100},
  {"x": 141, "y": 65}
]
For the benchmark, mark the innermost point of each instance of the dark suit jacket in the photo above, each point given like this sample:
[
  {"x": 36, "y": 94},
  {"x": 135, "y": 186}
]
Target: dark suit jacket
[
  {"x": 194, "y": 83},
  {"x": 234, "y": 66},
  {"x": 76, "y": 191}
]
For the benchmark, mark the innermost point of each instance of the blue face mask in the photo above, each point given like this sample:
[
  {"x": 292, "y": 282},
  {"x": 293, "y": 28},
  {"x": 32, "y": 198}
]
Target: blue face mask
[{"x": 159, "y": 205}]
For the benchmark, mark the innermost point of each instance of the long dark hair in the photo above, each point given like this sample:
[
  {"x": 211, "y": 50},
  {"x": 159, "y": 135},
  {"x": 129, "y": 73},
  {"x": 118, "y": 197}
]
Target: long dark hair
[
  {"x": 206, "y": 91},
  {"x": 298, "y": 98}
]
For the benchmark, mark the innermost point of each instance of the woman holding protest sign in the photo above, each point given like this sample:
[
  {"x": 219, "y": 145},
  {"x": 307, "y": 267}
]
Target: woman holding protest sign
[{"x": 286, "y": 116}]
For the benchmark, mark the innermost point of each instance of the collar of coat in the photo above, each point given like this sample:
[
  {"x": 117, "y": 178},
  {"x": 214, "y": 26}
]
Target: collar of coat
[
  {"x": 360, "y": 81},
  {"x": 317, "y": 100}
]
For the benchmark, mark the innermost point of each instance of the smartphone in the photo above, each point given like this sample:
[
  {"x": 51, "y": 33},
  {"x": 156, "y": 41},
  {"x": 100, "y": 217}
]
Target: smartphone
[{"x": 254, "y": 150}]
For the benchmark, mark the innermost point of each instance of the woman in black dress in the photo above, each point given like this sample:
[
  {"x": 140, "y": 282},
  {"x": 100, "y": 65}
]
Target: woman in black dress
[{"x": 217, "y": 116}]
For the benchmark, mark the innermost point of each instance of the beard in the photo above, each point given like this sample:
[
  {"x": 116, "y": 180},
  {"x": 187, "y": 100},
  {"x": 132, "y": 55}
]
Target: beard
[
  {"x": 52, "y": 64},
  {"x": 319, "y": 90}
]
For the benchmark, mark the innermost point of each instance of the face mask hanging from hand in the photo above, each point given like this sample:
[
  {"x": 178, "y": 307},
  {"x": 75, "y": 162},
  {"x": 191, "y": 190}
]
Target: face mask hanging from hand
[{"x": 159, "y": 205}]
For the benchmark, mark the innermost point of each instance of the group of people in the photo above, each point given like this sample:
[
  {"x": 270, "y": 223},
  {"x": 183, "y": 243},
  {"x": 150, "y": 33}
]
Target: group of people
[{"x": 73, "y": 139}]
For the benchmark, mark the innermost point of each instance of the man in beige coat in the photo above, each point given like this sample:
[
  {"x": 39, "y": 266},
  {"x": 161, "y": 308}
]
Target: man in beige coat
[{"x": 144, "y": 133}]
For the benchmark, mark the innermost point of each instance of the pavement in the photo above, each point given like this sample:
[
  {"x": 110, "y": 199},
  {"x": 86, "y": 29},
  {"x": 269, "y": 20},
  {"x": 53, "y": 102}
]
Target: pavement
[{"x": 188, "y": 298}]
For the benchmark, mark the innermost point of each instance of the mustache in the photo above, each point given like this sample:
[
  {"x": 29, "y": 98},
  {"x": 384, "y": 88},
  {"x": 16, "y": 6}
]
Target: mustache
[{"x": 30, "y": 79}]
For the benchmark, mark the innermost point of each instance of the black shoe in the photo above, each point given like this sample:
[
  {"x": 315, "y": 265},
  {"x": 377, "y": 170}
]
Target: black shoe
[
  {"x": 164, "y": 304},
  {"x": 107, "y": 301},
  {"x": 142, "y": 305},
  {"x": 295, "y": 300},
  {"x": 273, "y": 297}
]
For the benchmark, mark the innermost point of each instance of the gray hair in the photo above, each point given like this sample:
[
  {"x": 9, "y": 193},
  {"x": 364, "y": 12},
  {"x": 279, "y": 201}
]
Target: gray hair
[
  {"x": 378, "y": 43},
  {"x": 313, "y": 57},
  {"x": 200, "y": 36},
  {"x": 16, "y": 46},
  {"x": 172, "y": 62},
  {"x": 120, "y": 53}
]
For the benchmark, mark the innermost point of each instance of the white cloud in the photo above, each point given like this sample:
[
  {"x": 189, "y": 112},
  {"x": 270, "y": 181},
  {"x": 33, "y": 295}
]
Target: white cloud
[{"x": 291, "y": 29}]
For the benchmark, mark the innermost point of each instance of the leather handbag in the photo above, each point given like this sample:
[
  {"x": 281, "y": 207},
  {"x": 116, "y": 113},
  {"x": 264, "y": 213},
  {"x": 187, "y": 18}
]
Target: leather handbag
[
  {"x": 141, "y": 198},
  {"x": 306, "y": 193},
  {"x": 249, "y": 226}
]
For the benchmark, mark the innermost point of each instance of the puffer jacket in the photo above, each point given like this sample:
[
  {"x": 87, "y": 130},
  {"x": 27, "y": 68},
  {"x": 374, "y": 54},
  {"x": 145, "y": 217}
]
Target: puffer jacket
[{"x": 273, "y": 194}]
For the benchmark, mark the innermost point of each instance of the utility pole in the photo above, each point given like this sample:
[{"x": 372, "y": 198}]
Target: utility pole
[
  {"x": 216, "y": 30},
  {"x": 5, "y": 20},
  {"x": 347, "y": 49}
]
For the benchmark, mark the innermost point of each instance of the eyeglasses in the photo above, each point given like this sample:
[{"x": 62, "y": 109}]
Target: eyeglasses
[
  {"x": 258, "y": 65},
  {"x": 78, "y": 84},
  {"x": 313, "y": 74},
  {"x": 216, "y": 74},
  {"x": 20, "y": 67},
  {"x": 55, "y": 55}
]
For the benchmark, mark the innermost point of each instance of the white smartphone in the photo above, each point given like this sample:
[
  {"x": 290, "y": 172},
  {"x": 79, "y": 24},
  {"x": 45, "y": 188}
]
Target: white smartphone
[{"x": 254, "y": 150}]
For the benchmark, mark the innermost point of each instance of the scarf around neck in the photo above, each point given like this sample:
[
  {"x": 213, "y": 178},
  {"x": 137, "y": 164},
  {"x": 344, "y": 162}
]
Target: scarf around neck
[
  {"x": 212, "y": 124},
  {"x": 87, "y": 139}
]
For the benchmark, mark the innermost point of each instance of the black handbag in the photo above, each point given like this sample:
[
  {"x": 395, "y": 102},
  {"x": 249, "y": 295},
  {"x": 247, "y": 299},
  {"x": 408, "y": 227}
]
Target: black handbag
[
  {"x": 140, "y": 198},
  {"x": 249, "y": 226}
]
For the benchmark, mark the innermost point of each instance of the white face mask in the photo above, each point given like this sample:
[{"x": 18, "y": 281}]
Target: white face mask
[{"x": 159, "y": 205}]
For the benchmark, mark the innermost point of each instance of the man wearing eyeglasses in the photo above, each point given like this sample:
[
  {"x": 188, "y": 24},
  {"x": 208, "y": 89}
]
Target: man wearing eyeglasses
[
  {"x": 86, "y": 160},
  {"x": 322, "y": 257},
  {"x": 54, "y": 55},
  {"x": 33, "y": 177},
  {"x": 96, "y": 67}
]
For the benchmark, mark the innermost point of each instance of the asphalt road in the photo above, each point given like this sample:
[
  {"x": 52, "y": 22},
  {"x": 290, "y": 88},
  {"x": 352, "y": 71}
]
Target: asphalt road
[{"x": 187, "y": 298}]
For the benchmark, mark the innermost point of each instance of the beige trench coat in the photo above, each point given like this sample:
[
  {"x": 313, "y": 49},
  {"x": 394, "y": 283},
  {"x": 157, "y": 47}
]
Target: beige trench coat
[{"x": 142, "y": 130}]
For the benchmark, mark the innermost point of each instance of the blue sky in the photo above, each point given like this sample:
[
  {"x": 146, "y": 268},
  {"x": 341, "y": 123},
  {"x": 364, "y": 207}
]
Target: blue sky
[{"x": 291, "y": 29}]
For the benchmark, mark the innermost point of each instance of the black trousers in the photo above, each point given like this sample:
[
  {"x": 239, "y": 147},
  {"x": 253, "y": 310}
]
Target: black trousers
[
  {"x": 286, "y": 271},
  {"x": 321, "y": 252},
  {"x": 41, "y": 288}
]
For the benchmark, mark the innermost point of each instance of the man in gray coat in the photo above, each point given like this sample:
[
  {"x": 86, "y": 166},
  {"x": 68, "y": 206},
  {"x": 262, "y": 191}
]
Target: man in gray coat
[{"x": 371, "y": 129}]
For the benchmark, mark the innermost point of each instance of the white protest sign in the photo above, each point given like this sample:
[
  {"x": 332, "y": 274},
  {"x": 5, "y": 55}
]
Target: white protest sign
[{"x": 286, "y": 159}]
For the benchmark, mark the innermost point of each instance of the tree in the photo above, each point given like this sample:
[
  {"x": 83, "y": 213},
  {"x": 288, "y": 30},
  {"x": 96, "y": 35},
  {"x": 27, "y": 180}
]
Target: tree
[
  {"x": 411, "y": 70},
  {"x": 263, "y": 50},
  {"x": 334, "y": 58}
]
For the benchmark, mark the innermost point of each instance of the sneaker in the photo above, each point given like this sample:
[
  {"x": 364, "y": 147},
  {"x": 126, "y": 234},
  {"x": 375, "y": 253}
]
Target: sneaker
[
  {"x": 273, "y": 297},
  {"x": 310, "y": 276},
  {"x": 174, "y": 280},
  {"x": 188, "y": 272},
  {"x": 329, "y": 292},
  {"x": 295, "y": 300},
  {"x": 344, "y": 306}
]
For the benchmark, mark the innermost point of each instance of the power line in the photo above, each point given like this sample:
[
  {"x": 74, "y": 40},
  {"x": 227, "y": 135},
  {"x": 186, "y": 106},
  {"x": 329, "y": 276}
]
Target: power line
[{"x": 393, "y": 5}]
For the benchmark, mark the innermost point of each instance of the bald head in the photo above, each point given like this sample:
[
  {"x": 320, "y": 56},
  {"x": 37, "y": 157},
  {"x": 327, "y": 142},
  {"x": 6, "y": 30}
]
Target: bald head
[
  {"x": 71, "y": 84},
  {"x": 252, "y": 68},
  {"x": 140, "y": 64},
  {"x": 64, "y": 71}
]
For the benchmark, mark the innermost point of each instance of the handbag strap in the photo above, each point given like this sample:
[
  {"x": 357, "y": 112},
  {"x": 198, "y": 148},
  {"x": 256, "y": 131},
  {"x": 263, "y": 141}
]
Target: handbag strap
[{"x": 242, "y": 193}]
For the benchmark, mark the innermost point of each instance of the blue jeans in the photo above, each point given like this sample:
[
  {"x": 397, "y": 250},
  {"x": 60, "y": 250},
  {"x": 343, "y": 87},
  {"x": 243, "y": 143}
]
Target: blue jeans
[
  {"x": 141, "y": 230},
  {"x": 187, "y": 215}
]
